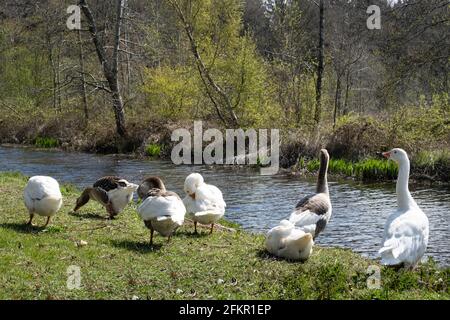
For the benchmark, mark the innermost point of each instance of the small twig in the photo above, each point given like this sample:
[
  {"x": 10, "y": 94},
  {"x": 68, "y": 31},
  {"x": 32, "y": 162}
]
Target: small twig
[
  {"x": 95, "y": 228},
  {"x": 216, "y": 225}
]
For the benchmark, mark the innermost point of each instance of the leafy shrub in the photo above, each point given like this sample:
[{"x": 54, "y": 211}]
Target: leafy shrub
[
  {"x": 46, "y": 142},
  {"x": 153, "y": 150}
]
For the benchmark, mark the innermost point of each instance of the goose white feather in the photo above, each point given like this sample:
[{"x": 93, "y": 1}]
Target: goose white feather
[
  {"x": 168, "y": 212},
  {"x": 161, "y": 210},
  {"x": 406, "y": 231},
  {"x": 204, "y": 202},
  {"x": 42, "y": 196},
  {"x": 287, "y": 241}
]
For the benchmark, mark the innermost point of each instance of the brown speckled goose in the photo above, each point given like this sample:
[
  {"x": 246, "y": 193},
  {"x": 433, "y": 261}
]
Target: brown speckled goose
[
  {"x": 114, "y": 193},
  {"x": 312, "y": 213},
  {"x": 162, "y": 211}
]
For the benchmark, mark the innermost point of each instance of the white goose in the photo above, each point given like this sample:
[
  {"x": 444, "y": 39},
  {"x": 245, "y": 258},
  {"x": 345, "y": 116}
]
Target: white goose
[
  {"x": 204, "y": 202},
  {"x": 43, "y": 197},
  {"x": 406, "y": 230},
  {"x": 287, "y": 241},
  {"x": 313, "y": 212},
  {"x": 114, "y": 193},
  {"x": 162, "y": 210}
]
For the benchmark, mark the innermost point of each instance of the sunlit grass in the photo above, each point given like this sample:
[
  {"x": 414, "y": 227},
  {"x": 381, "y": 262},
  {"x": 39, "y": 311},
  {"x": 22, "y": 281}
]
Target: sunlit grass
[
  {"x": 366, "y": 170},
  {"x": 153, "y": 150},
  {"x": 118, "y": 263},
  {"x": 46, "y": 142}
]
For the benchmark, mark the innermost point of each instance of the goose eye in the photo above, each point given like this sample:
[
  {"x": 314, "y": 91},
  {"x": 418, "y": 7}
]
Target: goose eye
[{"x": 395, "y": 151}]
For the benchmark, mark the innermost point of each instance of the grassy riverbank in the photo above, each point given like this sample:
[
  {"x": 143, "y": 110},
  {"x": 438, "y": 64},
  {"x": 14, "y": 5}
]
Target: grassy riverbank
[
  {"x": 353, "y": 144},
  {"x": 426, "y": 166},
  {"x": 117, "y": 262}
]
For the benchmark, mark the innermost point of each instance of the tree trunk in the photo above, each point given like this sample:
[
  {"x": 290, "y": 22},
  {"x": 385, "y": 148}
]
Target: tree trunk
[
  {"x": 205, "y": 75},
  {"x": 58, "y": 75},
  {"x": 127, "y": 54},
  {"x": 320, "y": 67},
  {"x": 53, "y": 67},
  {"x": 83, "y": 80},
  {"x": 337, "y": 99},
  {"x": 110, "y": 68},
  {"x": 347, "y": 89}
]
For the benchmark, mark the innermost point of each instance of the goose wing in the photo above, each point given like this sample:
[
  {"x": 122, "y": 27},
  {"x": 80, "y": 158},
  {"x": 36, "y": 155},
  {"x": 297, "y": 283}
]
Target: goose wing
[
  {"x": 312, "y": 213},
  {"x": 107, "y": 183},
  {"x": 405, "y": 240},
  {"x": 167, "y": 204},
  {"x": 39, "y": 187},
  {"x": 210, "y": 198}
]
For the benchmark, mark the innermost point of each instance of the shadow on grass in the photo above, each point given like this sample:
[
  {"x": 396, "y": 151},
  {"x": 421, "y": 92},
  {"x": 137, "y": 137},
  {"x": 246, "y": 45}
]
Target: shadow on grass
[
  {"x": 192, "y": 234},
  {"x": 87, "y": 215},
  {"x": 141, "y": 247},
  {"x": 265, "y": 255},
  {"x": 26, "y": 228}
]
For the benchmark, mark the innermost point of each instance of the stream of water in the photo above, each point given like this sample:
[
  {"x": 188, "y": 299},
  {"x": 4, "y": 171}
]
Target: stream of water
[{"x": 256, "y": 202}]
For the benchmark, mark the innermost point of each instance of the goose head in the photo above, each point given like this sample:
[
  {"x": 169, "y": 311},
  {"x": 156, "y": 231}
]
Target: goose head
[
  {"x": 149, "y": 184},
  {"x": 192, "y": 182},
  {"x": 124, "y": 185},
  {"x": 398, "y": 155},
  {"x": 324, "y": 156}
]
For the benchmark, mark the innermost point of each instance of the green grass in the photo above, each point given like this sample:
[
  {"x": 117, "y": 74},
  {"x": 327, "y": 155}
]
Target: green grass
[
  {"x": 46, "y": 142},
  {"x": 118, "y": 263},
  {"x": 153, "y": 150},
  {"x": 365, "y": 170}
]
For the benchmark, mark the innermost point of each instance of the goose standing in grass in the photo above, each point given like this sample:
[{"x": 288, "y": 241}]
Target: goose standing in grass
[
  {"x": 162, "y": 211},
  {"x": 312, "y": 213},
  {"x": 114, "y": 193},
  {"x": 406, "y": 230},
  {"x": 43, "y": 197},
  {"x": 287, "y": 241},
  {"x": 204, "y": 202}
]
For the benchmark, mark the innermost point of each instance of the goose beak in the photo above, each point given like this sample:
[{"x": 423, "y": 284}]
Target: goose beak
[
  {"x": 386, "y": 154},
  {"x": 133, "y": 186}
]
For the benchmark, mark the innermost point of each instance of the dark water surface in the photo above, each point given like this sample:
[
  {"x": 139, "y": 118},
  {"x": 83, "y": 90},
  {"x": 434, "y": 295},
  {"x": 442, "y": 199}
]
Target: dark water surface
[{"x": 256, "y": 202}]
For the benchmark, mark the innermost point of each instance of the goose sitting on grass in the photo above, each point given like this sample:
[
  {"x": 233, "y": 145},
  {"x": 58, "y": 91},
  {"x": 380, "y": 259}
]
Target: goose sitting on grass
[
  {"x": 114, "y": 193},
  {"x": 162, "y": 211},
  {"x": 312, "y": 213},
  {"x": 406, "y": 230},
  {"x": 287, "y": 241},
  {"x": 204, "y": 202},
  {"x": 43, "y": 197}
]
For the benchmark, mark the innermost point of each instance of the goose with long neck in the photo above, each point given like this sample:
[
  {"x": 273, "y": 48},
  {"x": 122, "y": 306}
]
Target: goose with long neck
[
  {"x": 312, "y": 213},
  {"x": 162, "y": 211},
  {"x": 114, "y": 193},
  {"x": 406, "y": 231},
  {"x": 322, "y": 181}
]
